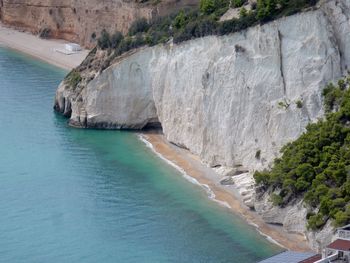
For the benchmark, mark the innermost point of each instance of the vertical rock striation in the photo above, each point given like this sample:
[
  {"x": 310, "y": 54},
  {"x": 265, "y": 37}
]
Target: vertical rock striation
[
  {"x": 80, "y": 20},
  {"x": 233, "y": 100}
]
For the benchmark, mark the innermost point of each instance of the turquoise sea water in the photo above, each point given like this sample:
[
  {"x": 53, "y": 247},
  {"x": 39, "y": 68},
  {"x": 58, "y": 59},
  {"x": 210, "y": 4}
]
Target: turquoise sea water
[{"x": 70, "y": 195}]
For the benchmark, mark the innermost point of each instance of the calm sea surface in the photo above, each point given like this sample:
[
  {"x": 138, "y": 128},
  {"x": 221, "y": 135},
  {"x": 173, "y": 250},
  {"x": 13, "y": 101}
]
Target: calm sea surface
[{"x": 70, "y": 195}]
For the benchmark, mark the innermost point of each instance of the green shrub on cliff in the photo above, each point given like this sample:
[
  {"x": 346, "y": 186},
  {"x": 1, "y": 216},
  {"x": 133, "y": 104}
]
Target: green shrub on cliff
[
  {"x": 207, "y": 6},
  {"x": 299, "y": 104},
  {"x": 116, "y": 38},
  {"x": 316, "y": 167},
  {"x": 138, "y": 26},
  {"x": 180, "y": 20},
  {"x": 73, "y": 78},
  {"x": 104, "y": 40},
  {"x": 193, "y": 23},
  {"x": 266, "y": 9},
  {"x": 237, "y": 3}
]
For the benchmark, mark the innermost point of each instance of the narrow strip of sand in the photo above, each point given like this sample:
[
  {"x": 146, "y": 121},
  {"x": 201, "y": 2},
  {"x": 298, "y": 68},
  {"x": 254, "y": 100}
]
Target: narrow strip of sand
[
  {"x": 45, "y": 50},
  {"x": 40, "y": 48},
  {"x": 192, "y": 166}
]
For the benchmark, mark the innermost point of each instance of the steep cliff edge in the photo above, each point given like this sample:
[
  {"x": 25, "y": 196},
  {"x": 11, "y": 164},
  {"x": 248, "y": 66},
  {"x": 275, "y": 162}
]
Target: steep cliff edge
[
  {"x": 81, "y": 20},
  {"x": 233, "y": 100}
]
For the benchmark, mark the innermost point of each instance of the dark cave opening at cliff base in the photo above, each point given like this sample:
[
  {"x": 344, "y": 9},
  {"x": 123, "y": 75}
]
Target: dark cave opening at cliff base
[{"x": 153, "y": 126}]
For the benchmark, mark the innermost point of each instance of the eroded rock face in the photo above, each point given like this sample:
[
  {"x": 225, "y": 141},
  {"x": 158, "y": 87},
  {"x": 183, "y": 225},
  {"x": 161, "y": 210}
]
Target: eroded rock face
[
  {"x": 79, "y": 20},
  {"x": 293, "y": 220},
  {"x": 236, "y": 95},
  {"x": 119, "y": 97},
  {"x": 225, "y": 98},
  {"x": 292, "y": 217},
  {"x": 232, "y": 100}
]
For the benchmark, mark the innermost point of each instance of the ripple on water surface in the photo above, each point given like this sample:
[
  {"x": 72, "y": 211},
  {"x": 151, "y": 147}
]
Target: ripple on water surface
[{"x": 69, "y": 195}]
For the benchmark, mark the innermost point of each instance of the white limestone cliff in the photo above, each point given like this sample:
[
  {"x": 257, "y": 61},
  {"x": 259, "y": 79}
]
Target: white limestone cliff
[{"x": 225, "y": 98}]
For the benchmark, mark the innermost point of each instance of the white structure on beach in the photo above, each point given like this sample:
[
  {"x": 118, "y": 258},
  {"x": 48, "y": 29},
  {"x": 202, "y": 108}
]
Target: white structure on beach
[
  {"x": 69, "y": 49},
  {"x": 72, "y": 47}
]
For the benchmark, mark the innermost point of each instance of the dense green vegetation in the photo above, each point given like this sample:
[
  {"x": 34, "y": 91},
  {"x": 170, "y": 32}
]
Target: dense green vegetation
[
  {"x": 316, "y": 167},
  {"x": 73, "y": 78},
  {"x": 203, "y": 21}
]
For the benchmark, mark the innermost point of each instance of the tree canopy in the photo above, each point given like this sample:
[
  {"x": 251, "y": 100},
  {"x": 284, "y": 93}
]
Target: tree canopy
[
  {"x": 201, "y": 21},
  {"x": 316, "y": 167}
]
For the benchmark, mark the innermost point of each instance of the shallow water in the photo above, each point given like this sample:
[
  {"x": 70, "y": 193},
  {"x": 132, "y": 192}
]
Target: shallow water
[{"x": 70, "y": 195}]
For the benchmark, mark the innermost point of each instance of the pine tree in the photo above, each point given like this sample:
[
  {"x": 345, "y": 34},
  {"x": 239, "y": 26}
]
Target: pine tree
[{"x": 260, "y": 15}]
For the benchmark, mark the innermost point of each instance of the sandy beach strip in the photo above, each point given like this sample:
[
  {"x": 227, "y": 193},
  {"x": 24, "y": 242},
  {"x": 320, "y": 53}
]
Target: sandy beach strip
[
  {"x": 40, "y": 48},
  {"x": 190, "y": 164},
  {"x": 228, "y": 196}
]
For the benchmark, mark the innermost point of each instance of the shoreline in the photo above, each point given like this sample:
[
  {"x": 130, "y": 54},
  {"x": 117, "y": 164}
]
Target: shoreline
[
  {"x": 186, "y": 163},
  {"x": 226, "y": 196},
  {"x": 42, "y": 49}
]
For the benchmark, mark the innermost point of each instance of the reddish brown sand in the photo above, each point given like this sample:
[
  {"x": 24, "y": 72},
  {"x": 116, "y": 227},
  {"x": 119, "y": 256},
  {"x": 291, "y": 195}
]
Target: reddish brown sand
[
  {"x": 43, "y": 49},
  {"x": 204, "y": 175}
]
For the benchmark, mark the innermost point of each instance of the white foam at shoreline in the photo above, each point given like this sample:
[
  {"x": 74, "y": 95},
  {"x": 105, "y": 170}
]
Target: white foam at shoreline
[
  {"x": 270, "y": 239},
  {"x": 210, "y": 193}
]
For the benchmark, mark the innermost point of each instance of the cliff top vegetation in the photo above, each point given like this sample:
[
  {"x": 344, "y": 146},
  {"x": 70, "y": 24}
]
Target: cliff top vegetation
[
  {"x": 205, "y": 20},
  {"x": 181, "y": 26}
]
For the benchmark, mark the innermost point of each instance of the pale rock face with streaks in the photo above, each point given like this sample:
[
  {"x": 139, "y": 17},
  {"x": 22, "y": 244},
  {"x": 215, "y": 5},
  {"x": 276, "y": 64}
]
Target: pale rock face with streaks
[{"x": 227, "y": 98}]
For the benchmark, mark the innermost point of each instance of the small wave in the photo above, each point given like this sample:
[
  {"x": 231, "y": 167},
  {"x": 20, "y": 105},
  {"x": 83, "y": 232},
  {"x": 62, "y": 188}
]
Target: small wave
[
  {"x": 253, "y": 224},
  {"x": 209, "y": 191},
  {"x": 222, "y": 203},
  {"x": 206, "y": 187},
  {"x": 270, "y": 239}
]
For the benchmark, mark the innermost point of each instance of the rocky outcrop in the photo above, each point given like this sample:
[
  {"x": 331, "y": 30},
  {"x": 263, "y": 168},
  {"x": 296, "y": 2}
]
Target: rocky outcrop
[
  {"x": 232, "y": 100},
  {"x": 81, "y": 20},
  {"x": 293, "y": 219}
]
